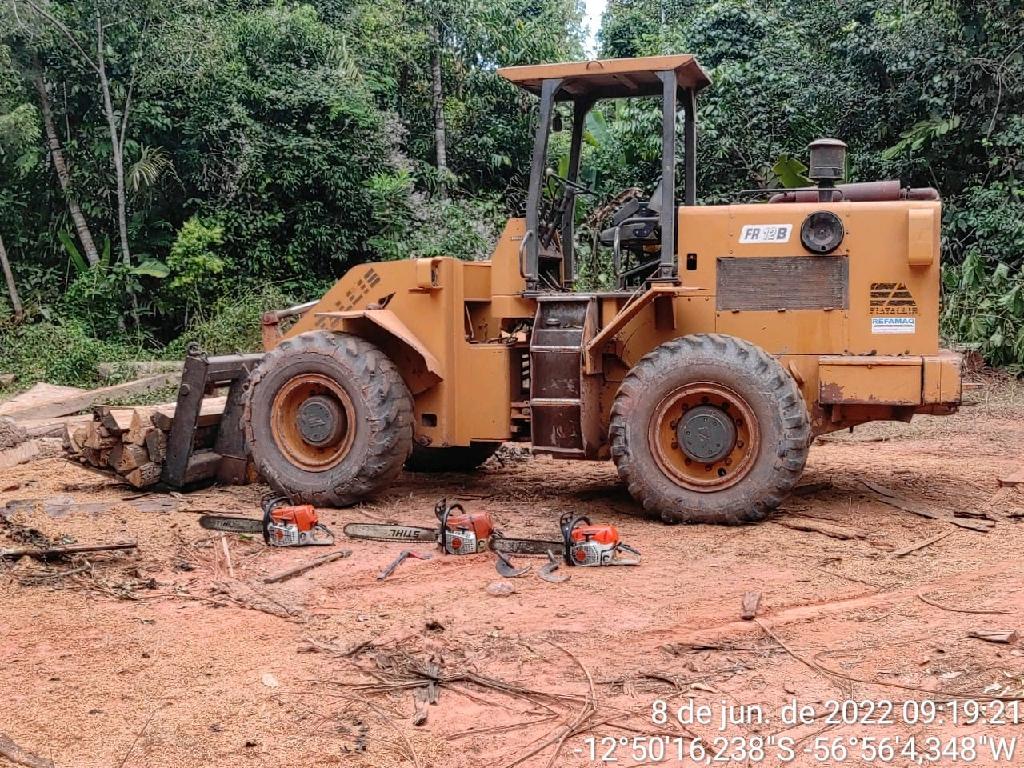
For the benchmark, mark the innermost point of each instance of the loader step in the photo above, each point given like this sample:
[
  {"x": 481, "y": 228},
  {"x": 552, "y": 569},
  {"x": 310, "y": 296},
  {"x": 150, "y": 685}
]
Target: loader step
[{"x": 563, "y": 403}]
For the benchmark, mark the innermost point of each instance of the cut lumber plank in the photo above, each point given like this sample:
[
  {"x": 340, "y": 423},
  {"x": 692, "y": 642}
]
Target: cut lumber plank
[
  {"x": 156, "y": 445},
  {"x": 816, "y": 526},
  {"x": 888, "y": 496},
  {"x": 53, "y": 427},
  {"x": 19, "y": 454},
  {"x": 1014, "y": 479},
  {"x": 209, "y": 414},
  {"x": 144, "y": 476},
  {"x": 74, "y": 549},
  {"x": 117, "y": 421},
  {"x": 79, "y": 400}
]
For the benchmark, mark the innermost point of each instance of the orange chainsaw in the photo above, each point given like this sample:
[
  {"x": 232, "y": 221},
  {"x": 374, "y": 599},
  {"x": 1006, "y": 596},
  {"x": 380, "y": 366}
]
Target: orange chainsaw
[
  {"x": 283, "y": 525},
  {"x": 459, "y": 533},
  {"x": 467, "y": 533}
]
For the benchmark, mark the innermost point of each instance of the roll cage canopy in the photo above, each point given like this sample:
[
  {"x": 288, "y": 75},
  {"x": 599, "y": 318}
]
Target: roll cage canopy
[{"x": 675, "y": 78}]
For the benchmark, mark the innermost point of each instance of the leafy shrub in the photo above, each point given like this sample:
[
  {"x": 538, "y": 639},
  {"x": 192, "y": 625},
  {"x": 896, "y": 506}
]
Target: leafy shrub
[
  {"x": 233, "y": 324},
  {"x": 194, "y": 262},
  {"x": 984, "y": 310},
  {"x": 59, "y": 354}
]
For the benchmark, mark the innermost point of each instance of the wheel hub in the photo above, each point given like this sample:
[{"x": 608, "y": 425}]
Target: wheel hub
[
  {"x": 704, "y": 436},
  {"x": 320, "y": 420},
  {"x": 312, "y": 421},
  {"x": 706, "y": 433}
]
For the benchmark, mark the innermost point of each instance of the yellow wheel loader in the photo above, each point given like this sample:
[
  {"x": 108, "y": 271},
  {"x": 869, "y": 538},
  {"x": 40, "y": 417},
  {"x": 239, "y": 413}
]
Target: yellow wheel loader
[{"x": 733, "y": 336}]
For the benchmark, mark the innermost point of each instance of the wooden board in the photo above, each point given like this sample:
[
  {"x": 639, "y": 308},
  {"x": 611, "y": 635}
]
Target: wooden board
[
  {"x": 38, "y": 395},
  {"x": 209, "y": 414},
  {"x": 46, "y": 403}
]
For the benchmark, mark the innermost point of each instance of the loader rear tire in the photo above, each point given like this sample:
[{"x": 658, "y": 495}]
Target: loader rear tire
[
  {"x": 328, "y": 419},
  {"x": 709, "y": 429},
  {"x": 461, "y": 458}
]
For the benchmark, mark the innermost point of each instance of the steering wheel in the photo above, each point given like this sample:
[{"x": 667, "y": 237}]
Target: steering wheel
[{"x": 583, "y": 189}]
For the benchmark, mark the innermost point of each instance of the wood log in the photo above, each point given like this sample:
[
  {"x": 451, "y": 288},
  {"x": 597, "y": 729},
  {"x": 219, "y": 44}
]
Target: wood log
[
  {"x": 97, "y": 437},
  {"x": 300, "y": 569},
  {"x": 826, "y": 529},
  {"x": 19, "y": 454},
  {"x": 141, "y": 426},
  {"x": 114, "y": 457},
  {"x": 132, "y": 457},
  {"x": 45, "y": 552},
  {"x": 156, "y": 445},
  {"x": 921, "y": 544},
  {"x": 74, "y": 438},
  {"x": 144, "y": 476}
]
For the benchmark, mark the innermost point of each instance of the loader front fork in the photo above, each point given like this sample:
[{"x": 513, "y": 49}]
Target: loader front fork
[{"x": 227, "y": 461}]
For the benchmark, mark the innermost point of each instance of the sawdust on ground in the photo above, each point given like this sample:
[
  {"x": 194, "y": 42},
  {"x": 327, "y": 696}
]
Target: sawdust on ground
[{"x": 159, "y": 658}]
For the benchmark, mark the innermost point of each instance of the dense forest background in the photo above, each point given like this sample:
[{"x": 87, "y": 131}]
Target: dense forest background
[{"x": 170, "y": 169}]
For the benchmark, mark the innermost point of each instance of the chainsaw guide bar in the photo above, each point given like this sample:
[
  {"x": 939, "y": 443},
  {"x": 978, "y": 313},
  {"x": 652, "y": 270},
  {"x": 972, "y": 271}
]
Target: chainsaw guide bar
[{"x": 230, "y": 524}]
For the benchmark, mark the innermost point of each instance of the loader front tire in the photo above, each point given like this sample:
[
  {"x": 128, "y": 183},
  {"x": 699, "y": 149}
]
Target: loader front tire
[
  {"x": 328, "y": 419},
  {"x": 460, "y": 458},
  {"x": 709, "y": 429}
]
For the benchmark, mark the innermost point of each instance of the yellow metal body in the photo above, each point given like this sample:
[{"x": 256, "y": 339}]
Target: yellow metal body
[{"x": 459, "y": 330}]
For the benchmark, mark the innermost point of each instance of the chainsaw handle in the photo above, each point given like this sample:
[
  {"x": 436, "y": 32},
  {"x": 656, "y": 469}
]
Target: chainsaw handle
[{"x": 568, "y": 523}]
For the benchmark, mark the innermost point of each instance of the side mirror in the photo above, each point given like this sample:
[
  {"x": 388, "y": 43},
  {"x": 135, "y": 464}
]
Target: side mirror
[{"x": 556, "y": 123}]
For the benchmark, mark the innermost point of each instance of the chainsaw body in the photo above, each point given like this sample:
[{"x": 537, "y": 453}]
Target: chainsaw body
[
  {"x": 293, "y": 526},
  {"x": 462, "y": 532},
  {"x": 587, "y": 544}
]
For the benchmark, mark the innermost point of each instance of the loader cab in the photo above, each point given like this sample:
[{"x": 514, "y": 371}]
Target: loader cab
[{"x": 641, "y": 232}]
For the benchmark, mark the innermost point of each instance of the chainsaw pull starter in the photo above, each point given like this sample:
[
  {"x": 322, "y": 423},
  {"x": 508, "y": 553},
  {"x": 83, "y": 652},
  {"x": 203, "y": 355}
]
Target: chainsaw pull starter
[{"x": 285, "y": 525}]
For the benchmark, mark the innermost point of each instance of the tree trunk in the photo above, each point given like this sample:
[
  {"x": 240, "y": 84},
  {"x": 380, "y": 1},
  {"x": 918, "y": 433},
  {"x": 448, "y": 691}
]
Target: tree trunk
[
  {"x": 12, "y": 289},
  {"x": 57, "y": 153},
  {"x": 116, "y": 146},
  {"x": 437, "y": 102}
]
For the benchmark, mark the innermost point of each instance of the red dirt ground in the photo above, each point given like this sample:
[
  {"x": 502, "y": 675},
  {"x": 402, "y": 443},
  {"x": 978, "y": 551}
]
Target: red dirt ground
[{"x": 159, "y": 658}]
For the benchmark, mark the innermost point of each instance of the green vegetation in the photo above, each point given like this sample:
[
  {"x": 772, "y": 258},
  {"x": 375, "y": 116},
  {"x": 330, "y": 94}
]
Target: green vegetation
[{"x": 205, "y": 161}]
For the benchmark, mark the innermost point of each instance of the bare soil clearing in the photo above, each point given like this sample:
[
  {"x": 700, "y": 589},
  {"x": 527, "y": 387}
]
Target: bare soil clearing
[{"x": 159, "y": 658}]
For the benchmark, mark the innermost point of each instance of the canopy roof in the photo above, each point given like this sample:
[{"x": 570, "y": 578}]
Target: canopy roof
[{"x": 610, "y": 78}]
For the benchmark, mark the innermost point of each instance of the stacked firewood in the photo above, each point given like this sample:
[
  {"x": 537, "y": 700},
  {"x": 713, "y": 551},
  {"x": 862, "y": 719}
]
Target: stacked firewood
[{"x": 132, "y": 442}]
